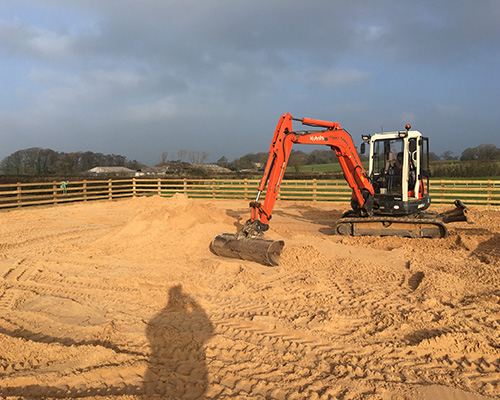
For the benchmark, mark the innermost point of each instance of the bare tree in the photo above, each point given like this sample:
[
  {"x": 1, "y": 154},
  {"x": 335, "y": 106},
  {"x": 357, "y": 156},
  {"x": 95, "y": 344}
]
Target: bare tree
[
  {"x": 204, "y": 156},
  {"x": 164, "y": 157},
  {"x": 181, "y": 154}
]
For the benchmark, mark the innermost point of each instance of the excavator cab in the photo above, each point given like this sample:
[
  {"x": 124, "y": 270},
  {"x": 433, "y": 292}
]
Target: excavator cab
[{"x": 399, "y": 172}]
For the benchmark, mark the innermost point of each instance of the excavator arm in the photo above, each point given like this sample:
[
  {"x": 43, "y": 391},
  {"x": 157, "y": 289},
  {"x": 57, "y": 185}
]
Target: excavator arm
[{"x": 284, "y": 138}]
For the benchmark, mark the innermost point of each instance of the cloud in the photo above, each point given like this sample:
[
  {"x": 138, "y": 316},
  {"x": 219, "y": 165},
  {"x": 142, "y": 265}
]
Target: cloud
[
  {"x": 220, "y": 73},
  {"x": 408, "y": 117},
  {"x": 448, "y": 109},
  {"x": 49, "y": 44},
  {"x": 34, "y": 42},
  {"x": 162, "y": 110},
  {"x": 338, "y": 77}
]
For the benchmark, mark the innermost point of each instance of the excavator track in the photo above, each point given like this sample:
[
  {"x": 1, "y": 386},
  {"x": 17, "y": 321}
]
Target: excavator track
[{"x": 421, "y": 226}]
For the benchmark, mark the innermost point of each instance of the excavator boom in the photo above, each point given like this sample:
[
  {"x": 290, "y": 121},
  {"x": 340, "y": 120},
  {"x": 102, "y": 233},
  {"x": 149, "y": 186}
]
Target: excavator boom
[{"x": 332, "y": 135}]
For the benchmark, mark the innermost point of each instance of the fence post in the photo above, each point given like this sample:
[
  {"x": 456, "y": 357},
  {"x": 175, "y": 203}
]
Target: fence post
[
  {"x": 54, "y": 192},
  {"x": 159, "y": 187},
  {"x": 134, "y": 188},
  {"x": 488, "y": 198},
  {"x": 246, "y": 188},
  {"x": 19, "y": 194},
  {"x": 185, "y": 187},
  {"x": 110, "y": 189},
  {"x": 84, "y": 190},
  {"x": 442, "y": 191},
  {"x": 213, "y": 189},
  {"x": 314, "y": 189}
]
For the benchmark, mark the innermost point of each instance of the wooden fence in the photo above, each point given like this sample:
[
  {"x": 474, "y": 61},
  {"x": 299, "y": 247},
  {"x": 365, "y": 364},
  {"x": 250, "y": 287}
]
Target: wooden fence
[{"x": 472, "y": 192}]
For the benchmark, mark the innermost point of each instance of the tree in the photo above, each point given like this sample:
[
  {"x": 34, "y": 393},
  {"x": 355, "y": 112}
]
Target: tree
[
  {"x": 194, "y": 157},
  {"x": 13, "y": 164},
  {"x": 88, "y": 161},
  {"x": 321, "y": 157},
  {"x": 164, "y": 157},
  {"x": 68, "y": 164},
  {"x": 433, "y": 156},
  {"x": 448, "y": 156},
  {"x": 38, "y": 161},
  {"x": 482, "y": 152},
  {"x": 297, "y": 159},
  {"x": 134, "y": 164},
  {"x": 469, "y": 154},
  {"x": 181, "y": 154},
  {"x": 249, "y": 161},
  {"x": 222, "y": 162},
  {"x": 488, "y": 152}
]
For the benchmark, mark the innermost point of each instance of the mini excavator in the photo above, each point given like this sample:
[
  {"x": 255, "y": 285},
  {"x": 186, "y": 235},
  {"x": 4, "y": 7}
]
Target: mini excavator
[{"x": 390, "y": 200}]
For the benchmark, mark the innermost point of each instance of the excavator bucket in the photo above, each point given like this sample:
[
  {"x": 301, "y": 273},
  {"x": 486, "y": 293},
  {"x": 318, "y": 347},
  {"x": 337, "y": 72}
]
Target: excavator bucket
[
  {"x": 263, "y": 251},
  {"x": 457, "y": 214}
]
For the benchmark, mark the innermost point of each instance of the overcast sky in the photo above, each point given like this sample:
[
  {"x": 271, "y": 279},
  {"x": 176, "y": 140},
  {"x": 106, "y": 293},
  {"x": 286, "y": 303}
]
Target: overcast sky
[{"x": 139, "y": 78}]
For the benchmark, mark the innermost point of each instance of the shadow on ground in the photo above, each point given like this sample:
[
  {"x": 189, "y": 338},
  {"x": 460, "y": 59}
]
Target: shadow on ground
[{"x": 177, "y": 335}]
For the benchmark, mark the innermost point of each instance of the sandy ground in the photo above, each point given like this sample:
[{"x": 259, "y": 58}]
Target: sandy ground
[{"x": 124, "y": 300}]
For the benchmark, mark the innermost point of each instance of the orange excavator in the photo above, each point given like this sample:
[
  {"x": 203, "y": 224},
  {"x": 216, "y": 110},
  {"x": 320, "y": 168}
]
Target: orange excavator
[{"x": 390, "y": 200}]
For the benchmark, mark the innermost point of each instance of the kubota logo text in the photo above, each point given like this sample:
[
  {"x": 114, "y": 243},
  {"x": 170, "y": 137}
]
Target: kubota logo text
[{"x": 316, "y": 138}]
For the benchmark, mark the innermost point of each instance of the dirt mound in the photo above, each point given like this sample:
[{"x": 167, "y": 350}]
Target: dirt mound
[
  {"x": 158, "y": 225},
  {"x": 123, "y": 299}
]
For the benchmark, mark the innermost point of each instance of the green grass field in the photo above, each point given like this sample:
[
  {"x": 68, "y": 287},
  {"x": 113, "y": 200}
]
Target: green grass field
[
  {"x": 437, "y": 166},
  {"x": 320, "y": 168}
]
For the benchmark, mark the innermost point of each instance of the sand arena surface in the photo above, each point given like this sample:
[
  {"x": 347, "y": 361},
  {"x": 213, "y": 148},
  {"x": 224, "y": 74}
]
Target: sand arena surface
[{"x": 124, "y": 300}]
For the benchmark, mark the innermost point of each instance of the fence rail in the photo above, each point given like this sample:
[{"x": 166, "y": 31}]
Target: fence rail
[{"x": 479, "y": 192}]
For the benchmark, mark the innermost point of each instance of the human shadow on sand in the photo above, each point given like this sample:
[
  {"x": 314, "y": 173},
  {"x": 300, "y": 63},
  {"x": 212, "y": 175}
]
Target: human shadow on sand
[{"x": 177, "y": 334}]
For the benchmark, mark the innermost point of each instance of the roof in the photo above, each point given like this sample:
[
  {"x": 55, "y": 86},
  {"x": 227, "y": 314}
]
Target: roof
[
  {"x": 213, "y": 167},
  {"x": 110, "y": 170}
]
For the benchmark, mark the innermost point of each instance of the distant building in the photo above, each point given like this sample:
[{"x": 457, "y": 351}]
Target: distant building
[
  {"x": 178, "y": 168},
  {"x": 172, "y": 168},
  {"x": 213, "y": 168},
  {"x": 109, "y": 171},
  {"x": 151, "y": 171}
]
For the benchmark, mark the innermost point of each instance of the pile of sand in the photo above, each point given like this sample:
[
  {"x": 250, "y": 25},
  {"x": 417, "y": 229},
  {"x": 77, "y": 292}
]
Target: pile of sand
[{"x": 123, "y": 299}]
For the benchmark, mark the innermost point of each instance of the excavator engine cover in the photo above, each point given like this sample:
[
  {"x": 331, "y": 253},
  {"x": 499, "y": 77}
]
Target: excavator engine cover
[{"x": 263, "y": 251}]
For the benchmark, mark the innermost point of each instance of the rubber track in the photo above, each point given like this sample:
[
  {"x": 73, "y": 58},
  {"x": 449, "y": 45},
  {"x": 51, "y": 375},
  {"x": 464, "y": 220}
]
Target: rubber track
[{"x": 408, "y": 220}]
